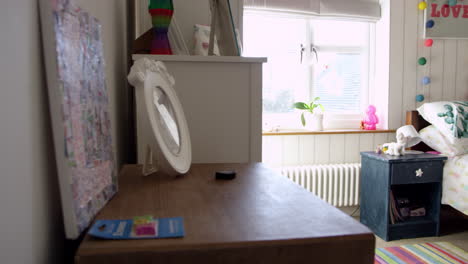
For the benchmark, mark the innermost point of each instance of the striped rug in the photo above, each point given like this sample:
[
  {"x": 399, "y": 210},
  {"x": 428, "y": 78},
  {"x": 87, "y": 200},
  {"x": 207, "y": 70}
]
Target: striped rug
[{"x": 427, "y": 253}]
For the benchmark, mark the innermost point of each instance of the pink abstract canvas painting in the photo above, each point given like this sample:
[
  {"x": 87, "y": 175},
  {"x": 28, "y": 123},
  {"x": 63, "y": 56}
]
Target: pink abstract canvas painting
[{"x": 80, "y": 112}]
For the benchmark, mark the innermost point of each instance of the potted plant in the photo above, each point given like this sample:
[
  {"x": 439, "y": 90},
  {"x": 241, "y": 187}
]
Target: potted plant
[{"x": 310, "y": 117}]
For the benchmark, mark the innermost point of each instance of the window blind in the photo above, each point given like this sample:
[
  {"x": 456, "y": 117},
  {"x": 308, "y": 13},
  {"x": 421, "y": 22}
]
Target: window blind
[{"x": 368, "y": 10}]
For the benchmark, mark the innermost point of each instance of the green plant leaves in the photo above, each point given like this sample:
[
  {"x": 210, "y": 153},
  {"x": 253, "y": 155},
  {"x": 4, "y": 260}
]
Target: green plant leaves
[
  {"x": 313, "y": 106},
  {"x": 308, "y": 108},
  {"x": 301, "y": 106},
  {"x": 303, "y": 119}
]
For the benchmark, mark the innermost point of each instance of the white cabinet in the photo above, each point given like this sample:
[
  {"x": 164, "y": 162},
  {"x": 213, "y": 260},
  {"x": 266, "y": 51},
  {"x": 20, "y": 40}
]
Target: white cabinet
[{"x": 222, "y": 100}]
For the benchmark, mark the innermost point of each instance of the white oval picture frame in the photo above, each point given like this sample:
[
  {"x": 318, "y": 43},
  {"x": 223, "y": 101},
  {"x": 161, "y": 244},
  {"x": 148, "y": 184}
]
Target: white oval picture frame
[{"x": 151, "y": 77}]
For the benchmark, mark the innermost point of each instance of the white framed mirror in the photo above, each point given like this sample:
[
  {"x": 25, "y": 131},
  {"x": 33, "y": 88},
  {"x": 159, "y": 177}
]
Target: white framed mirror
[{"x": 165, "y": 130}]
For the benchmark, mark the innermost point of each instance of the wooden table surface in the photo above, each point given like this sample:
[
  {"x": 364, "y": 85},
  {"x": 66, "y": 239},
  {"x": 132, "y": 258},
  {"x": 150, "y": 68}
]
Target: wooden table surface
[{"x": 259, "y": 217}]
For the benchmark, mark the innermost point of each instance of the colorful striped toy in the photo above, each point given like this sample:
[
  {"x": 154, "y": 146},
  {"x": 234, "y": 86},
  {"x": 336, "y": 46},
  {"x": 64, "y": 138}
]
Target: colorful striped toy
[
  {"x": 161, "y": 13},
  {"x": 427, "y": 253}
]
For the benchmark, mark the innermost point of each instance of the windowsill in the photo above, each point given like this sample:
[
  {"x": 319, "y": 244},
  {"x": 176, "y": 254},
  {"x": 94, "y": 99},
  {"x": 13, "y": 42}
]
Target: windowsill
[{"x": 291, "y": 132}]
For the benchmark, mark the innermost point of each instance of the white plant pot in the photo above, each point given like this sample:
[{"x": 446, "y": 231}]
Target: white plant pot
[{"x": 314, "y": 122}]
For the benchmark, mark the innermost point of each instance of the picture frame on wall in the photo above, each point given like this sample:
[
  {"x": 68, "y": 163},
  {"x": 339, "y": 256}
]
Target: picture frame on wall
[
  {"x": 79, "y": 109},
  {"x": 444, "y": 21}
]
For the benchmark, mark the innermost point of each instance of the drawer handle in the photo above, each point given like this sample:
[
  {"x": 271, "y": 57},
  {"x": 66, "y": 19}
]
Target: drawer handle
[{"x": 419, "y": 172}]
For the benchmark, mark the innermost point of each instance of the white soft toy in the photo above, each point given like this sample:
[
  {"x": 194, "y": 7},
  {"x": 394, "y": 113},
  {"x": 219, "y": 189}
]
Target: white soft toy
[{"x": 396, "y": 148}]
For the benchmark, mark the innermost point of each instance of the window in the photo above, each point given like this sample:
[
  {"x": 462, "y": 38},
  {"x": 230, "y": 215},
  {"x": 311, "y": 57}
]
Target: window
[{"x": 308, "y": 58}]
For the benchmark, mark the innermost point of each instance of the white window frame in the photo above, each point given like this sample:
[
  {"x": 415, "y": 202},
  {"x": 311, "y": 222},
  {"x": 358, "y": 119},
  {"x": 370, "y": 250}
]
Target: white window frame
[
  {"x": 344, "y": 120},
  {"x": 333, "y": 120}
]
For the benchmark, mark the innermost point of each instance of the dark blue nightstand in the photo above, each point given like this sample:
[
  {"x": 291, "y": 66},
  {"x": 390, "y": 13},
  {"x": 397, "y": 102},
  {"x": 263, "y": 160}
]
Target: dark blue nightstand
[{"x": 382, "y": 174}]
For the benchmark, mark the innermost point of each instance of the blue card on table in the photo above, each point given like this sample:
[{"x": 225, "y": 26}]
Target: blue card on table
[{"x": 127, "y": 229}]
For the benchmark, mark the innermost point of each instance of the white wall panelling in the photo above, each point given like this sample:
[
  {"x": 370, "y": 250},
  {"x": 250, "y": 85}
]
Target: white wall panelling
[
  {"x": 450, "y": 70},
  {"x": 295, "y": 150},
  {"x": 410, "y": 48},
  {"x": 351, "y": 148},
  {"x": 272, "y": 150},
  {"x": 383, "y": 138},
  {"x": 461, "y": 90},
  {"x": 397, "y": 28},
  {"x": 436, "y": 70},
  {"x": 290, "y": 150},
  {"x": 447, "y": 63},
  {"x": 366, "y": 142},
  {"x": 307, "y": 145},
  {"x": 322, "y": 149},
  {"x": 336, "y": 152}
]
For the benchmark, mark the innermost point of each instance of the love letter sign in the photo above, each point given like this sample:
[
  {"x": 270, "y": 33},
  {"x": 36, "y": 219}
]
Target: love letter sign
[{"x": 450, "y": 21}]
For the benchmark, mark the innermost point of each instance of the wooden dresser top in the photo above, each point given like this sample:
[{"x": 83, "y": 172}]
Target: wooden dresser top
[{"x": 258, "y": 208}]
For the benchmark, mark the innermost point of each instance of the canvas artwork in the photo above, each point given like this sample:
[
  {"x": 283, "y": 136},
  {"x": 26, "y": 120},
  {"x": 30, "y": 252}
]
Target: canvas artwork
[
  {"x": 80, "y": 112},
  {"x": 448, "y": 19}
]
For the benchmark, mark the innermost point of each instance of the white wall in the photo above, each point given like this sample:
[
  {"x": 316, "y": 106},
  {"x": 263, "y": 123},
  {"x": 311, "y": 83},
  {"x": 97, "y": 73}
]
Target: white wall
[
  {"x": 447, "y": 63},
  {"x": 31, "y": 230},
  {"x": 30, "y": 226}
]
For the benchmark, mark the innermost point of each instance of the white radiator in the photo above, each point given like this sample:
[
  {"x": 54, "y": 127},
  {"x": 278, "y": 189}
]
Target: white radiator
[{"x": 337, "y": 184}]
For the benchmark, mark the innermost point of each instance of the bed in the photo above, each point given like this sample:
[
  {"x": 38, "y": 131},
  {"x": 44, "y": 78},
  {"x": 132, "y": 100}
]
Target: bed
[{"x": 455, "y": 177}]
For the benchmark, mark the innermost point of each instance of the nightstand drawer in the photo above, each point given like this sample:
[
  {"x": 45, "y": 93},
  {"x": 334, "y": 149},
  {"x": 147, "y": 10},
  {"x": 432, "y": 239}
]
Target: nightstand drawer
[{"x": 416, "y": 172}]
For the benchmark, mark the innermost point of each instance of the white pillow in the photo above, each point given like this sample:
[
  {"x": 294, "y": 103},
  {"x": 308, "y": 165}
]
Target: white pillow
[
  {"x": 437, "y": 141},
  {"x": 450, "y": 118}
]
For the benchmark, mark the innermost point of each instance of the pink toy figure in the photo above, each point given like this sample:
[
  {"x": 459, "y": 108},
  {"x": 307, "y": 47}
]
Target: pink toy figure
[{"x": 371, "y": 119}]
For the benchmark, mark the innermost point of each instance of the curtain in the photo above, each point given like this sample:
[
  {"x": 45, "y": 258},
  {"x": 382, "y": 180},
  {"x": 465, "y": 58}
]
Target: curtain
[{"x": 353, "y": 9}]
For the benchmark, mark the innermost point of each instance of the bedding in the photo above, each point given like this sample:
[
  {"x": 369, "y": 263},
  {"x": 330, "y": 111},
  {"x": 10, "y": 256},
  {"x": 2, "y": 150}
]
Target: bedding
[
  {"x": 432, "y": 137},
  {"x": 450, "y": 118},
  {"x": 455, "y": 183}
]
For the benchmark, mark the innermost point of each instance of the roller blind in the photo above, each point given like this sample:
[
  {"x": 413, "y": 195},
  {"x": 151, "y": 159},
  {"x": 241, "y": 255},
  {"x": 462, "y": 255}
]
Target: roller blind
[{"x": 353, "y": 9}]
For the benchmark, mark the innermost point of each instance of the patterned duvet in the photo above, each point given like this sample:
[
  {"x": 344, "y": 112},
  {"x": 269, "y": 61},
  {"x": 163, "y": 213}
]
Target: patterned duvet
[{"x": 455, "y": 183}]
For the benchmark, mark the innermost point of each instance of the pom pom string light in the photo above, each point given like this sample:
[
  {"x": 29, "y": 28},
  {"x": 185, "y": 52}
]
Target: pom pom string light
[
  {"x": 426, "y": 80},
  {"x": 422, "y": 5},
  {"x": 419, "y": 98},
  {"x": 428, "y": 42},
  {"x": 430, "y": 23},
  {"x": 422, "y": 61},
  {"x": 452, "y": 2}
]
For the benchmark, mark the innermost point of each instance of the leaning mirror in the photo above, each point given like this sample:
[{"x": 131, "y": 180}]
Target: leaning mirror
[{"x": 161, "y": 119}]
